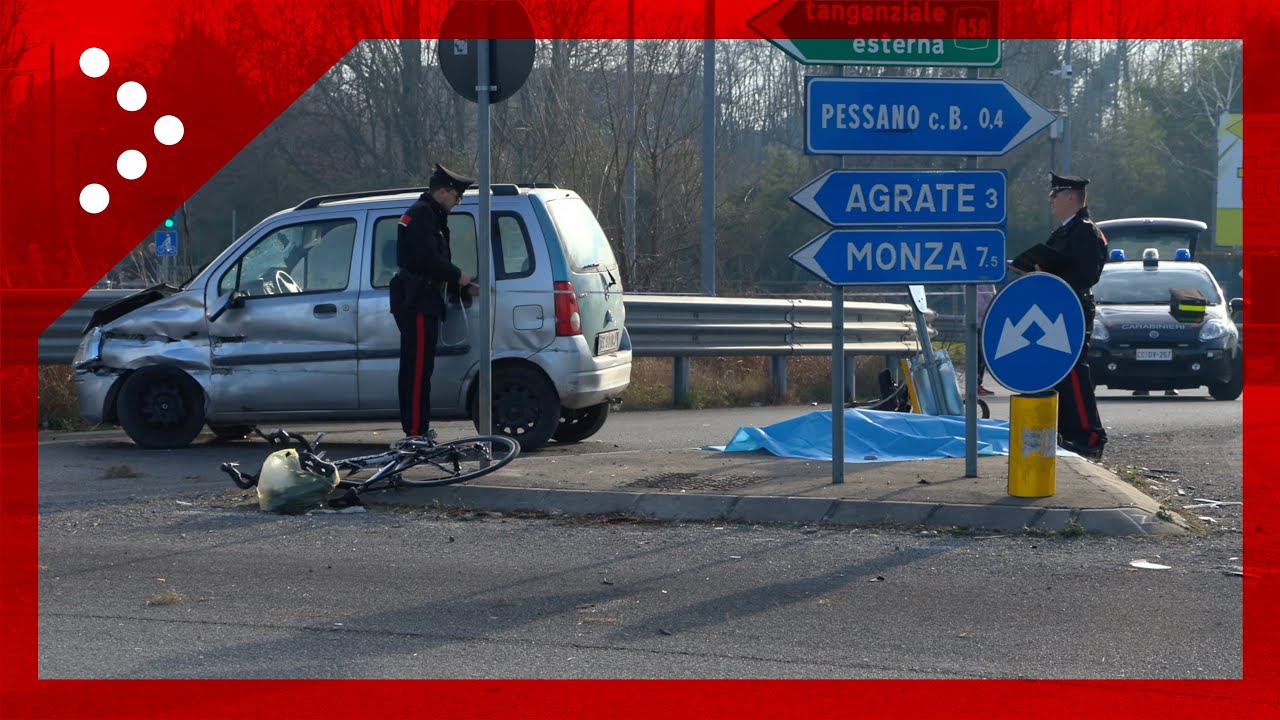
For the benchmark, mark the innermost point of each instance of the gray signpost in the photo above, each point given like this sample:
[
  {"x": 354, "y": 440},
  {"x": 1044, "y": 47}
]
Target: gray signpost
[
  {"x": 485, "y": 72},
  {"x": 906, "y": 217}
]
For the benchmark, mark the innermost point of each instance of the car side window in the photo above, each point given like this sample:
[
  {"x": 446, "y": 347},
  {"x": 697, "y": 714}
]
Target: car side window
[
  {"x": 462, "y": 246},
  {"x": 513, "y": 250},
  {"x": 307, "y": 257}
]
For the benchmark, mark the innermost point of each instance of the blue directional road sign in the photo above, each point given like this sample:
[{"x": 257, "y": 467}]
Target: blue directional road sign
[
  {"x": 903, "y": 257},
  {"x": 887, "y": 116},
  {"x": 1033, "y": 333},
  {"x": 167, "y": 242},
  {"x": 906, "y": 197}
]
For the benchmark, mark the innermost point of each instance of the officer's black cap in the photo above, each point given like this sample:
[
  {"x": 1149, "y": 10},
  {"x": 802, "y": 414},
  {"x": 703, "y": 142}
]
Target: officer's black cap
[
  {"x": 444, "y": 177},
  {"x": 1058, "y": 182}
]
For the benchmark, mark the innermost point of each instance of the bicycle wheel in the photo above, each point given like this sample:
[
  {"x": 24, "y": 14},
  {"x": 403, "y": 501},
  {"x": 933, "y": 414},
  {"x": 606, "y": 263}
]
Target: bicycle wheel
[{"x": 458, "y": 460}]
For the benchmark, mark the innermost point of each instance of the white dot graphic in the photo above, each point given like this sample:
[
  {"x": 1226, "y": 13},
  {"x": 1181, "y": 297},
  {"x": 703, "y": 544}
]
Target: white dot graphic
[
  {"x": 131, "y": 96},
  {"x": 169, "y": 130},
  {"x": 94, "y": 62},
  {"x": 131, "y": 164},
  {"x": 94, "y": 198}
]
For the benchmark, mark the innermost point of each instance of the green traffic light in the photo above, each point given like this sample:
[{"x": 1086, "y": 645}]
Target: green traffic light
[{"x": 168, "y": 222}]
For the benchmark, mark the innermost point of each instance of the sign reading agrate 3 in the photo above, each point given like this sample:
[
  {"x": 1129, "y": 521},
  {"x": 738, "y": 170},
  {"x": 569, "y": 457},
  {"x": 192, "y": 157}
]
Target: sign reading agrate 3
[
  {"x": 889, "y": 116},
  {"x": 956, "y": 33},
  {"x": 906, "y": 197}
]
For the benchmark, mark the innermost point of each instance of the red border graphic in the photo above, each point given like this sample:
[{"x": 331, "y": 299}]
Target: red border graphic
[{"x": 227, "y": 69}]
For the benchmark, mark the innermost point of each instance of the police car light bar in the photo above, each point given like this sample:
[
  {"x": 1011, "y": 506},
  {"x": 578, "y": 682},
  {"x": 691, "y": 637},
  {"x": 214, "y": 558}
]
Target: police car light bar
[
  {"x": 1150, "y": 258},
  {"x": 1182, "y": 254},
  {"x": 1117, "y": 255}
]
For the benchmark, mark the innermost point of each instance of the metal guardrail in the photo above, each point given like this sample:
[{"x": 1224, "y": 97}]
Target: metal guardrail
[
  {"x": 662, "y": 326},
  {"x": 693, "y": 326},
  {"x": 675, "y": 326}
]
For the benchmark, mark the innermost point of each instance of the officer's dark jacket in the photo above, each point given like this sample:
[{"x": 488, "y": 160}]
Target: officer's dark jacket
[
  {"x": 426, "y": 266},
  {"x": 1080, "y": 239}
]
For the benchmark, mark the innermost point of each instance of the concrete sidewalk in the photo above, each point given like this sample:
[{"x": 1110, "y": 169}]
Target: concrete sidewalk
[{"x": 757, "y": 487}]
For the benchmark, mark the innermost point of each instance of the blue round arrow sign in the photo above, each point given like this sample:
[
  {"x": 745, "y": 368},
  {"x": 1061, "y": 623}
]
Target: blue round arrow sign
[{"x": 1033, "y": 333}]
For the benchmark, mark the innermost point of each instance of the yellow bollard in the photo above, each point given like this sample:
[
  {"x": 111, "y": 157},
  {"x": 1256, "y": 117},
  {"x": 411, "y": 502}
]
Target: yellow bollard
[{"x": 1033, "y": 444}]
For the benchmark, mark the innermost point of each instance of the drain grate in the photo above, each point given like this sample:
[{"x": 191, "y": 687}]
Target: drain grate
[{"x": 693, "y": 481}]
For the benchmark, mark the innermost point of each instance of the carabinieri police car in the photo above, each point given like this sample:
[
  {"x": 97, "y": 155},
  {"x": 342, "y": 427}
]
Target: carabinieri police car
[{"x": 1139, "y": 343}]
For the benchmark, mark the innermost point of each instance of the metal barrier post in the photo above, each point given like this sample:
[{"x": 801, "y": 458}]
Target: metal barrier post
[
  {"x": 778, "y": 377},
  {"x": 850, "y": 377},
  {"x": 680, "y": 382}
]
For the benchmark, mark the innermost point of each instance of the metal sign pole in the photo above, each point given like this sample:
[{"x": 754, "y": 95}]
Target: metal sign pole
[
  {"x": 837, "y": 385},
  {"x": 837, "y": 370},
  {"x": 483, "y": 272},
  {"x": 971, "y": 381}
]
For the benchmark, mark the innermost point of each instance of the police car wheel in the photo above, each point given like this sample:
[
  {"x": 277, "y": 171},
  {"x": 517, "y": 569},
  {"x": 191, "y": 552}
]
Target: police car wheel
[
  {"x": 580, "y": 424},
  {"x": 161, "y": 407},
  {"x": 1231, "y": 389},
  {"x": 526, "y": 406}
]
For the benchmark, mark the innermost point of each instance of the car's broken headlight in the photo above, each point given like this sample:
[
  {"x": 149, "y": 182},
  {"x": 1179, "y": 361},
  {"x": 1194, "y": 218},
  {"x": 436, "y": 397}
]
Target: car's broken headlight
[{"x": 90, "y": 349}]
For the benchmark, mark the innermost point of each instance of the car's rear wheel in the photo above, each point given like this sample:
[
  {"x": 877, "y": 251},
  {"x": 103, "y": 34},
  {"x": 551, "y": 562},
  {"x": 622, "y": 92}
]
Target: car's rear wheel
[
  {"x": 579, "y": 424},
  {"x": 526, "y": 407},
  {"x": 1233, "y": 388},
  {"x": 161, "y": 407}
]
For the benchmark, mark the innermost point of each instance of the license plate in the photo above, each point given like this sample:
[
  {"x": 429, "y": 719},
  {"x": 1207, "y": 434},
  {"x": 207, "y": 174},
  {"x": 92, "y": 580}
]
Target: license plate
[
  {"x": 1150, "y": 354},
  {"x": 607, "y": 342}
]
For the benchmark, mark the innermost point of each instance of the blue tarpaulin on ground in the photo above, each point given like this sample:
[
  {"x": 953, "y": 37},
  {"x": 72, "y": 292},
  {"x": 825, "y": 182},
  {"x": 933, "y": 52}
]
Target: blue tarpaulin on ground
[{"x": 872, "y": 436}]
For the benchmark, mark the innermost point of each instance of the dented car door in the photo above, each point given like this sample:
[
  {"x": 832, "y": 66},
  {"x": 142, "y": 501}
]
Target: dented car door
[{"x": 283, "y": 318}]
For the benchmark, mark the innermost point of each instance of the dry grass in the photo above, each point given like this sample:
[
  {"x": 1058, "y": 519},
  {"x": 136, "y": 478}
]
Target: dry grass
[
  {"x": 59, "y": 406},
  {"x": 714, "y": 382},
  {"x": 742, "y": 381}
]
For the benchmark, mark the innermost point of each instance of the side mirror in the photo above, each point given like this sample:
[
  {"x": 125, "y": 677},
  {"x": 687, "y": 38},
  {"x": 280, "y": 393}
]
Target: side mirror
[
  {"x": 235, "y": 302},
  {"x": 1237, "y": 304}
]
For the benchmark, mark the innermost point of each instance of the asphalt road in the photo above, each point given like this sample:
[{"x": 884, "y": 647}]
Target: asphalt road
[{"x": 425, "y": 593}]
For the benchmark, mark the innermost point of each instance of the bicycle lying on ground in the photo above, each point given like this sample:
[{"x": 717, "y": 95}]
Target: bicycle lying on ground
[{"x": 433, "y": 464}]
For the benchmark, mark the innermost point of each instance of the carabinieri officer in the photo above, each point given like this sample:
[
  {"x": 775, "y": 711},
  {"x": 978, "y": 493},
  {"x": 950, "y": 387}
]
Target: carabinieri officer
[
  {"x": 426, "y": 272},
  {"x": 1080, "y": 239}
]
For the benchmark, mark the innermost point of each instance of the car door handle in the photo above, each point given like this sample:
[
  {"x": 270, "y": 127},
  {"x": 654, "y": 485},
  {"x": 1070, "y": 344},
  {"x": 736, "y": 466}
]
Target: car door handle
[{"x": 325, "y": 310}]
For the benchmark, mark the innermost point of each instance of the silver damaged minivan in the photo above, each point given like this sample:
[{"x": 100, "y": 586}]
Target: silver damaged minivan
[{"x": 291, "y": 323}]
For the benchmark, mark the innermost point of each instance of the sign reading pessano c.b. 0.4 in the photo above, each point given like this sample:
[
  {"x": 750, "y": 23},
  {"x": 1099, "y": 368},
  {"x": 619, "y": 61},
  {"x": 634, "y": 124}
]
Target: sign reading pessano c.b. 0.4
[
  {"x": 905, "y": 256},
  {"x": 892, "y": 116}
]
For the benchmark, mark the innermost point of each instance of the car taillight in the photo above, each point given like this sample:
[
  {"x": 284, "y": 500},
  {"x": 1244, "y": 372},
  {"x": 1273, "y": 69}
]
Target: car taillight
[{"x": 568, "y": 322}]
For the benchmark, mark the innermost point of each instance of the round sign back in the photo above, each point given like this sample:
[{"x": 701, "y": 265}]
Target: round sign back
[{"x": 510, "y": 60}]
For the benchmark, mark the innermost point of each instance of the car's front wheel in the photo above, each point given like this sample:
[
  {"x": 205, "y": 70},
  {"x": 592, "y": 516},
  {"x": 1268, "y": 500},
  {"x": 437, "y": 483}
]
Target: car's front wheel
[
  {"x": 1233, "y": 388},
  {"x": 161, "y": 407}
]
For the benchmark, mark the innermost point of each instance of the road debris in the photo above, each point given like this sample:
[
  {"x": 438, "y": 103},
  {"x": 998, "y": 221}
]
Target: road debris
[
  {"x": 1210, "y": 503},
  {"x": 1143, "y": 564}
]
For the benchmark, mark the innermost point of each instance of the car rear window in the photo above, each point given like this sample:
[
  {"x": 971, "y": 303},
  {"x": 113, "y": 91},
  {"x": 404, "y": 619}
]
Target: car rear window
[
  {"x": 584, "y": 240},
  {"x": 1151, "y": 287}
]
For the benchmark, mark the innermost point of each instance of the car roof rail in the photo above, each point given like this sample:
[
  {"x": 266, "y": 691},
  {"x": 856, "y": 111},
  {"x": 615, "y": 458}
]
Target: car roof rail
[{"x": 318, "y": 200}]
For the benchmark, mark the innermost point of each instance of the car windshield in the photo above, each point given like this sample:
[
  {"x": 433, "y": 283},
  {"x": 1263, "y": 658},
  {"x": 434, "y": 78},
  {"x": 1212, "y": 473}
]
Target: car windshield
[
  {"x": 1139, "y": 286},
  {"x": 1133, "y": 240}
]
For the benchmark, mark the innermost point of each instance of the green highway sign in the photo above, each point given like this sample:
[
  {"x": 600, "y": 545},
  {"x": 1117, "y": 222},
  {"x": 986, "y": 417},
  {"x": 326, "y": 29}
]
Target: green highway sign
[
  {"x": 819, "y": 32},
  {"x": 893, "y": 51}
]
